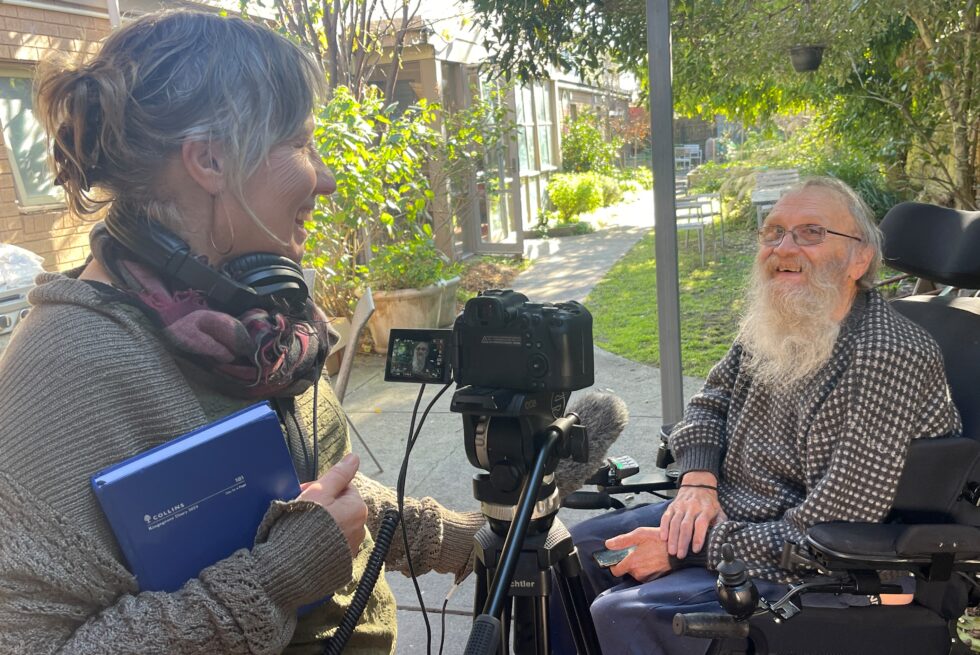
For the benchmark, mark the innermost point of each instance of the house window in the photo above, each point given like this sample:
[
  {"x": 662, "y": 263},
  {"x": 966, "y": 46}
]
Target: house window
[
  {"x": 25, "y": 142},
  {"x": 525, "y": 129},
  {"x": 542, "y": 109}
]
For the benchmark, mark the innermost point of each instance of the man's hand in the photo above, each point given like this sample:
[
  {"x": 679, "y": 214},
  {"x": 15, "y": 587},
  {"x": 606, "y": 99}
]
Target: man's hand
[
  {"x": 334, "y": 493},
  {"x": 648, "y": 561},
  {"x": 686, "y": 521}
]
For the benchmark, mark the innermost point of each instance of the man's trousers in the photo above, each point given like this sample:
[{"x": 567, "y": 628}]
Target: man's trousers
[{"x": 633, "y": 617}]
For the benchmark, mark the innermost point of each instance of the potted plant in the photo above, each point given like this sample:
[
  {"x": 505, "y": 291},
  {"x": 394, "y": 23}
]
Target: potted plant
[
  {"x": 806, "y": 58},
  {"x": 413, "y": 285}
]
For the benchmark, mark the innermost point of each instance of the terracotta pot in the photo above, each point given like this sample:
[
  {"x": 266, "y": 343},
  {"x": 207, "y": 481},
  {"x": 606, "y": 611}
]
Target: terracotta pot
[
  {"x": 405, "y": 308},
  {"x": 806, "y": 58}
]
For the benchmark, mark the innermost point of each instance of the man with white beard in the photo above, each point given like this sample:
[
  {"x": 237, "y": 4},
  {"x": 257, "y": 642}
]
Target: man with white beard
[{"x": 806, "y": 420}]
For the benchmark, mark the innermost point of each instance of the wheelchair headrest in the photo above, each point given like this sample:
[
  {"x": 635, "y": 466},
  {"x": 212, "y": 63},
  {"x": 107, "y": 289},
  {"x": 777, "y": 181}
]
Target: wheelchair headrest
[{"x": 936, "y": 243}]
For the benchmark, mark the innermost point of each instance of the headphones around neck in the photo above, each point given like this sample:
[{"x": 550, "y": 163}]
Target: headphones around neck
[{"x": 254, "y": 280}]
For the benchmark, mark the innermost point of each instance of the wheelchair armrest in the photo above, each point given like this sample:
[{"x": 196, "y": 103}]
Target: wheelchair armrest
[
  {"x": 648, "y": 482},
  {"x": 934, "y": 549}
]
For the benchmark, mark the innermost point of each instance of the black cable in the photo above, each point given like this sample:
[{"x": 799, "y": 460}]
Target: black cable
[
  {"x": 400, "y": 496},
  {"x": 445, "y": 603},
  {"x": 400, "y": 491},
  {"x": 316, "y": 420},
  {"x": 442, "y": 636},
  {"x": 382, "y": 542}
]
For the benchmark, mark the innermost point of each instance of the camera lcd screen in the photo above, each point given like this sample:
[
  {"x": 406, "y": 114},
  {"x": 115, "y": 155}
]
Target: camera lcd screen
[{"x": 420, "y": 356}]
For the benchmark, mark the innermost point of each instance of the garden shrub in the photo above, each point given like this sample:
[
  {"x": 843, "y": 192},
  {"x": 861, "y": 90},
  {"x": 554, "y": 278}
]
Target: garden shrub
[
  {"x": 642, "y": 176},
  {"x": 812, "y": 150},
  {"x": 612, "y": 192},
  {"x": 378, "y": 157},
  {"x": 629, "y": 186},
  {"x": 572, "y": 194},
  {"x": 408, "y": 264},
  {"x": 584, "y": 148}
]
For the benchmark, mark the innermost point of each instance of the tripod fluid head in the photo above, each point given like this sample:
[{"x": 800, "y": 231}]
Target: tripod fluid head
[
  {"x": 504, "y": 430},
  {"x": 518, "y": 439}
]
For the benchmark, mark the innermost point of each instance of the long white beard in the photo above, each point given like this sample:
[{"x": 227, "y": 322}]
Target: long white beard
[{"x": 789, "y": 333}]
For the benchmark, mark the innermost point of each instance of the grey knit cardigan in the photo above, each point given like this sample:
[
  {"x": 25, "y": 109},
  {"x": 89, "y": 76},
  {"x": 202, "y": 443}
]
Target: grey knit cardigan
[{"x": 85, "y": 383}]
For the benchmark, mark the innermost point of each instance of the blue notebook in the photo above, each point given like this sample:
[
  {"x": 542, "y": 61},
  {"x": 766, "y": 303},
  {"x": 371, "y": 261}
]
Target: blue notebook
[{"x": 193, "y": 501}]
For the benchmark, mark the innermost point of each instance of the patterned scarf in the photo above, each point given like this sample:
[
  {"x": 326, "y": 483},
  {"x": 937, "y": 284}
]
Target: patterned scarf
[{"x": 259, "y": 354}]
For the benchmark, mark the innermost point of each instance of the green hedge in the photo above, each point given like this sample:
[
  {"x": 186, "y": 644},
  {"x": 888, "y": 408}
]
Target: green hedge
[{"x": 572, "y": 194}]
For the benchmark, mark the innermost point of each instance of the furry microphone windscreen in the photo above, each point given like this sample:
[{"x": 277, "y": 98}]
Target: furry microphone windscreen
[{"x": 604, "y": 417}]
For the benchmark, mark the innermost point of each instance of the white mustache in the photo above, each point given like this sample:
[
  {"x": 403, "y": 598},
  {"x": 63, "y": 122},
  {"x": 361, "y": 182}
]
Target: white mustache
[{"x": 774, "y": 264}]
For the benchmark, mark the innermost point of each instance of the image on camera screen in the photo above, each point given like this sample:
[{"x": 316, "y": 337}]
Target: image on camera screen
[{"x": 418, "y": 356}]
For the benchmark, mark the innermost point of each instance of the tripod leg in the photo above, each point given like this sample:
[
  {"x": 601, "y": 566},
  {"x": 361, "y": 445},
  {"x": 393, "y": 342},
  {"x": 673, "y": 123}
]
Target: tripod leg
[
  {"x": 531, "y": 625},
  {"x": 541, "y": 621},
  {"x": 481, "y": 574},
  {"x": 573, "y": 597}
]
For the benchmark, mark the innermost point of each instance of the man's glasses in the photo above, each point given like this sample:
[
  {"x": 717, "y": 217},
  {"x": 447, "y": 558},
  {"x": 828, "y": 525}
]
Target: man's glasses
[{"x": 803, "y": 235}]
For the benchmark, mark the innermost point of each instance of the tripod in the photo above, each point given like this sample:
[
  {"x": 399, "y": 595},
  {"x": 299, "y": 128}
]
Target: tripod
[{"x": 524, "y": 542}]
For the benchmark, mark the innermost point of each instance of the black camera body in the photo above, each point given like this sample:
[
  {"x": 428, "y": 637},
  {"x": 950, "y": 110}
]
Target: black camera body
[{"x": 502, "y": 341}]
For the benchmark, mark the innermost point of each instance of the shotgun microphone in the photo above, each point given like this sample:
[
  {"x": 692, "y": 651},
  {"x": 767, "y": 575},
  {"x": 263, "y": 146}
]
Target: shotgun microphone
[{"x": 604, "y": 417}]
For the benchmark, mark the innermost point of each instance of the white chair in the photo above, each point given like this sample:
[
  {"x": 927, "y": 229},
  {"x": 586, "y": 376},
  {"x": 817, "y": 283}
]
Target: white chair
[
  {"x": 690, "y": 216},
  {"x": 769, "y": 188},
  {"x": 710, "y": 210},
  {"x": 362, "y": 312}
]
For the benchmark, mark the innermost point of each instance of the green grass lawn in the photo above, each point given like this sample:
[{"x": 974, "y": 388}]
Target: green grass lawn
[{"x": 624, "y": 304}]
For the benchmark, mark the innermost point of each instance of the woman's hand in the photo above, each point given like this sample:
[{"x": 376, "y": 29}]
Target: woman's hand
[
  {"x": 686, "y": 521},
  {"x": 648, "y": 561},
  {"x": 334, "y": 493}
]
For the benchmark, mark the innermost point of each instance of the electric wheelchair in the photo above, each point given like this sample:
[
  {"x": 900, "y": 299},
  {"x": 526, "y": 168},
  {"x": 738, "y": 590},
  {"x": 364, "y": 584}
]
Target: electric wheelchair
[{"x": 933, "y": 531}]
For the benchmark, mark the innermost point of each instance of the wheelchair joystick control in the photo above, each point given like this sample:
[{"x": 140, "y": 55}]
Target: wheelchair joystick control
[
  {"x": 736, "y": 591},
  {"x": 737, "y": 595}
]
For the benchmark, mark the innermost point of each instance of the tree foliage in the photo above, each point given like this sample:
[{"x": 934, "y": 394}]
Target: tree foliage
[
  {"x": 352, "y": 39},
  {"x": 380, "y": 157},
  {"x": 898, "y": 75}
]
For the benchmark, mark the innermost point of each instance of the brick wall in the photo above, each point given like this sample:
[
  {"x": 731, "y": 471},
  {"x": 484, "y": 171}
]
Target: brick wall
[{"x": 26, "y": 36}]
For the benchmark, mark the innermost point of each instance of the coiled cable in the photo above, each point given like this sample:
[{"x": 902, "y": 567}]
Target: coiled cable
[{"x": 382, "y": 542}]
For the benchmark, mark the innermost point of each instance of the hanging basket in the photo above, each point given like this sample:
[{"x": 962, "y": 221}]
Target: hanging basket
[{"x": 806, "y": 58}]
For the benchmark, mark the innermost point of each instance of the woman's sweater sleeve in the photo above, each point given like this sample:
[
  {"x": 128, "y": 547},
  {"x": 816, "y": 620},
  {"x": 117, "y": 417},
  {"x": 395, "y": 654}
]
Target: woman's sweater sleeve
[
  {"x": 63, "y": 593},
  {"x": 440, "y": 539}
]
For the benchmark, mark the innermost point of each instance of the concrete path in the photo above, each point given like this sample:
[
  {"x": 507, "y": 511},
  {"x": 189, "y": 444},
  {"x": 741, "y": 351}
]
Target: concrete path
[{"x": 563, "y": 269}]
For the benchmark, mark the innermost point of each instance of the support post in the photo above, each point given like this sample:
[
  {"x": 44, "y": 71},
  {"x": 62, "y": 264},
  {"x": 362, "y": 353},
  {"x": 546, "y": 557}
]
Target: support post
[{"x": 661, "y": 123}]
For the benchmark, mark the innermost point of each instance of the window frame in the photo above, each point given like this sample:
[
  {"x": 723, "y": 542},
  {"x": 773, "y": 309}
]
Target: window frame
[
  {"x": 526, "y": 129},
  {"x": 24, "y": 200},
  {"x": 543, "y": 108}
]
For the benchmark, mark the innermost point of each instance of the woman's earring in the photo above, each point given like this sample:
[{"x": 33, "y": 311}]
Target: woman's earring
[{"x": 214, "y": 220}]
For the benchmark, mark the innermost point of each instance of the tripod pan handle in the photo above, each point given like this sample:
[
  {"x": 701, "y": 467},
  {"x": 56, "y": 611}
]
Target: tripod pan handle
[{"x": 484, "y": 636}]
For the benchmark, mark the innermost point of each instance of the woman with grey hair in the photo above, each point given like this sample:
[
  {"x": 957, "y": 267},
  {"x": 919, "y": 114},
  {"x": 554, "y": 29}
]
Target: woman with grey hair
[{"x": 192, "y": 133}]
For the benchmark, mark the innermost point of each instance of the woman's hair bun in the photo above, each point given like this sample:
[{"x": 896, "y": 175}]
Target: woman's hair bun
[
  {"x": 163, "y": 79},
  {"x": 70, "y": 106}
]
